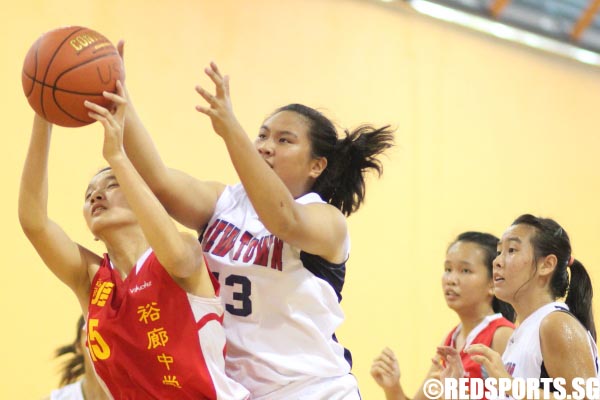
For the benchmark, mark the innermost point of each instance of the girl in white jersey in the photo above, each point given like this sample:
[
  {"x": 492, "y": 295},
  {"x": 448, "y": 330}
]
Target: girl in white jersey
[
  {"x": 533, "y": 270},
  {"x": 278, "y": 241}
]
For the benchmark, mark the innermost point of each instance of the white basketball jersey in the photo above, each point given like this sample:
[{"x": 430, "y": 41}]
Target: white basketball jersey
[
  {"x": 523, "y": 355},
  {"x": 282, "y": 305},
  {"x": 72, "y": 391}
]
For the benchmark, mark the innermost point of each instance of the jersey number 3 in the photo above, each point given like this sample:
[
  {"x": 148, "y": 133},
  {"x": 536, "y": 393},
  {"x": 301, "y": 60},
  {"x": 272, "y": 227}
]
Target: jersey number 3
[{"x": 242, "y": 296}]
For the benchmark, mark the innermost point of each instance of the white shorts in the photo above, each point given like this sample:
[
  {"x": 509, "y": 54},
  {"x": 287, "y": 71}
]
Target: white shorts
[{"x": 337, "y": 388}]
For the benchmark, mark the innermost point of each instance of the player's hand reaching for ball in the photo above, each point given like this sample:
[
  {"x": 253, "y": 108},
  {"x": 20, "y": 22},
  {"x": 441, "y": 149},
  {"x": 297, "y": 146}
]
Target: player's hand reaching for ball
[
  {"x": 219, "y": 108},
  {"x": 113, "y": 122}
]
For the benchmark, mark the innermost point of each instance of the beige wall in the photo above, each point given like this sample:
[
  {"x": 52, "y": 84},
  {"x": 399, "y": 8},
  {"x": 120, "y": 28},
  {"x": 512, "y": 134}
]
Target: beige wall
[{"x": 486, "y": 130}]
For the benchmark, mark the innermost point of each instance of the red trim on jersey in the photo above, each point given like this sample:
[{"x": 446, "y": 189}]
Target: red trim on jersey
[
  {"x": 213, "y": 280},
  {"x": 207, "y": 318}
]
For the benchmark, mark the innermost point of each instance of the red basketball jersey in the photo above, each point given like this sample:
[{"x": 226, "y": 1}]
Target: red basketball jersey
[
  {"x": 483, "y": 334},
  {"x": 149, "y": 339}
]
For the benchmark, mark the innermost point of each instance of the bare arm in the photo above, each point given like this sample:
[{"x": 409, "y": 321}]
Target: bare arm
[
  {"x": 189, "y": 200},
  {"x": 179, "y": 253},
  {"x": 71, "y": 263},
  {"x": 316, "y": 228},
  {"x": 500, "y": 339},
  {"x": 566, "y": 349}
]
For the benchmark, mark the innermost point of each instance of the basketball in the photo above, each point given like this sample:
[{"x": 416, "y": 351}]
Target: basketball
[{"x": 66, "y": 66}]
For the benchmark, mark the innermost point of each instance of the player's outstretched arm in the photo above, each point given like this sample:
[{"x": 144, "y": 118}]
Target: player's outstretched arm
[
  {"x": 189, "y": 200},
  {"x": 180, "y": 254},
  {"x": 65, "y": 258}
]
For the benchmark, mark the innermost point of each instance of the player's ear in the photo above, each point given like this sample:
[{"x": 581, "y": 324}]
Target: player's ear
[{"x": 317, "y": 167}]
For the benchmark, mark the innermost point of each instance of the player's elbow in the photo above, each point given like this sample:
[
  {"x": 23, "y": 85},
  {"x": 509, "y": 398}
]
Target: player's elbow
[{"x": 31, "y": 222}]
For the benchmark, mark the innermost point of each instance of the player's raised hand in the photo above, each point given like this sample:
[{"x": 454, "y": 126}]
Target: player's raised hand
[
  {"x": 219, "y": 108},
  {"x": 113, "y": 122}
]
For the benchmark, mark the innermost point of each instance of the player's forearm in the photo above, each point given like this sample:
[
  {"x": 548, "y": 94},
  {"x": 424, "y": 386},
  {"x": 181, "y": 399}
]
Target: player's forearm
[
  {"x": 158, "y": 227},
  {"x": 33, "y": 194},
  {"x": 143, "y": 153},
  {"x": 395, "y": 393},
  {"x": 270, "y": 198}
]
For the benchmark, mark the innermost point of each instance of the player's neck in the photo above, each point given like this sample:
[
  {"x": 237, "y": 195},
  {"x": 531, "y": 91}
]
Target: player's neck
[
  {"x": 473, "y": 318},
  {"x": 125, "y": 247},
  {"x": 526, "y": 306}
]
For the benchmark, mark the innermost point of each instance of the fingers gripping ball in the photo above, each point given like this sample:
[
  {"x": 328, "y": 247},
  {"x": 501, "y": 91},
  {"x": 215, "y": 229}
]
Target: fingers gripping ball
[{"x": 66, "y": 66}]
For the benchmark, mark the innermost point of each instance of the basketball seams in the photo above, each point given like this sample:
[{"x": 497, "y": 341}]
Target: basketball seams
[
  {"x": 35, "y": 67},
  {"x": 55, "y": 84},
  {"x": 56, "y": 50},
  {"x": 55, "y": 87},
  {"x": 62, "y": 80}
]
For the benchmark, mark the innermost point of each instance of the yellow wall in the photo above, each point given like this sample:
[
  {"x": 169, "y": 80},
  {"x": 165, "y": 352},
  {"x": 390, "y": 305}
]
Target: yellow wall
[{"x": 486, "y": 131}]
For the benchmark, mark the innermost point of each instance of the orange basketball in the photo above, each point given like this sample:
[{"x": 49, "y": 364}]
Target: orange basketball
[{"x": 66, "y": 66}]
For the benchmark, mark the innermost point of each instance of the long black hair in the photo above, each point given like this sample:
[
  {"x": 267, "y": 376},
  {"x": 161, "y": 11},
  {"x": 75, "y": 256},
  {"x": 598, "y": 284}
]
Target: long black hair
[
  {"x": 342, "y": 183},
  {"x": 551, "y": 238},
  {"x": 73, "y": 366},
  {"x": 489, "y": 244}
]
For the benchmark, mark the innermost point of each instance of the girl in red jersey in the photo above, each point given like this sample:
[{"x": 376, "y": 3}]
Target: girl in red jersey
[
  {"x": 153, "y": 319},
  {"x": 468, "y": 290}
]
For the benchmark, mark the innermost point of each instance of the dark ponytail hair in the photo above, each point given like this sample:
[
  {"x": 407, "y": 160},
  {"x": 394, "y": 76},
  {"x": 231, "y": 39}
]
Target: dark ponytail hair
[
  {"x": 342, "y": 183},
  {"x": 551, "y": 238},
  {"x": 489, "y": 244},
  {"x": 579, "y": 296},
  {"x": 73, "y": 367}
]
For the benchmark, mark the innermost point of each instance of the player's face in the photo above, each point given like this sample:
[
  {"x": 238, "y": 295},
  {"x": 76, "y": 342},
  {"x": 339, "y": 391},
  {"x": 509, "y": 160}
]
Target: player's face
[
  {"x": 466, "y": 281},
  {"x": 105, "y": 203},
  {"x": 283, "y": 142},
  {"x": 514, "y": 265}
]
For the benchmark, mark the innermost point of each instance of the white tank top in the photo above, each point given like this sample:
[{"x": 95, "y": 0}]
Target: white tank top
[
  {"x": 282, "y": 305},
  {"x": 523, "y": 355},
  {"x": 72, "y": 391}
]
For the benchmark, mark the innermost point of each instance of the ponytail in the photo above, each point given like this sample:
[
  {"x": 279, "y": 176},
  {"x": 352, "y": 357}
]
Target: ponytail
[
  {"x": 342, "y": 183},
  {"x": 579, "y": 297}
]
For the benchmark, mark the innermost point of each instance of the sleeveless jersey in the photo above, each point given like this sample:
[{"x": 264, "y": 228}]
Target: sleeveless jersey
[
  {"x": 72, "y": 391},
  {"x": 523, "y": 355},
  {"x": 482, "y": 334},
  {"x": 149, "y": 339},
  {"x": 282, "y": 304}
]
